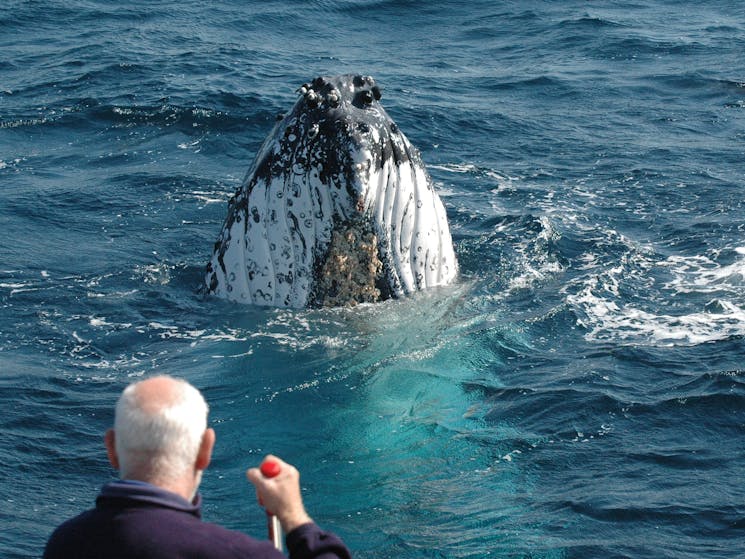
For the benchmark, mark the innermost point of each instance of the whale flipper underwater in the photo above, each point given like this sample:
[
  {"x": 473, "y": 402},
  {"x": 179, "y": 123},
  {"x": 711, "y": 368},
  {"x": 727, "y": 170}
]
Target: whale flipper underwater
[{"x": 337, "y": 209}]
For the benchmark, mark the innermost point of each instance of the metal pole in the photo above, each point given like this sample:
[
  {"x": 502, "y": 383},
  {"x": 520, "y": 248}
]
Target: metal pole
[{"x": 271, "y": 469}]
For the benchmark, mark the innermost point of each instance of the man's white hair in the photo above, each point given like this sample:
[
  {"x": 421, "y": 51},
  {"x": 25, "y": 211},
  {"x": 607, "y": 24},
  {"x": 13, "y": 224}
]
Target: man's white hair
[{"x": 159, "y": 442}]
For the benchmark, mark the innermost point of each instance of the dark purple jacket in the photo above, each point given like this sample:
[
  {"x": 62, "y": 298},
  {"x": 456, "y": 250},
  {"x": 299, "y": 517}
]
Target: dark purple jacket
[{"x": 139, "y": 520}]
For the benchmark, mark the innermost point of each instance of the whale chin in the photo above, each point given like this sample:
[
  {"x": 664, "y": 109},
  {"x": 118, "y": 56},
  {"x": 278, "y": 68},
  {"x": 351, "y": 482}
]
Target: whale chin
[{"x": 337, "y": 209}]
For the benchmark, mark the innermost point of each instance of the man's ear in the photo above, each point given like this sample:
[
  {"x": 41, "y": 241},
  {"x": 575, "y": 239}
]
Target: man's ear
[
  {"x": 205, "y": 449},
  {"x": 108, "y": 440}
]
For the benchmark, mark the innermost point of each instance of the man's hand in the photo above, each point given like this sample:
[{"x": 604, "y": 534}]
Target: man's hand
[{"x": 281, "y": 494}]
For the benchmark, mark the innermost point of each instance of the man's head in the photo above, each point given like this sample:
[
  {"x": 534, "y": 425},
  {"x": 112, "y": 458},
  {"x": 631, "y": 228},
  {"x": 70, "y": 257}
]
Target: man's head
[{"x": 160, "y": 434}]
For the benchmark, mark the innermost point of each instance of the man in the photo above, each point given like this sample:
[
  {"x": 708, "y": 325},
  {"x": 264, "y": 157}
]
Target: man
[{"x": 160, "y": 444}]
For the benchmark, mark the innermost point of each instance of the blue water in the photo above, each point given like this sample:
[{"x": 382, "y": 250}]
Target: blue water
[{"x": 580, "y": 393}]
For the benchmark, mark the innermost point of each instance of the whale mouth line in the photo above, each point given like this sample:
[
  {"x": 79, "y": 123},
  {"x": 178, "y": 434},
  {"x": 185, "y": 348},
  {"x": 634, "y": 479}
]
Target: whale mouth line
[{"x": 337, "y": 209}]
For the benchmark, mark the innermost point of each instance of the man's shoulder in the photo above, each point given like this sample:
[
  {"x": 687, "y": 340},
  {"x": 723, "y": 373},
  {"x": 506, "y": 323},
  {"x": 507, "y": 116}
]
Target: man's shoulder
[
  {"x": 65, "y": 536},
  {"x": 150, "y": 533}
]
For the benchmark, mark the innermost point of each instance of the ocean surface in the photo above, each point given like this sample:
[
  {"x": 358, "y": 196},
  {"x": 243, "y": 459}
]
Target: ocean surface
[{"x": 579, "y": 393}]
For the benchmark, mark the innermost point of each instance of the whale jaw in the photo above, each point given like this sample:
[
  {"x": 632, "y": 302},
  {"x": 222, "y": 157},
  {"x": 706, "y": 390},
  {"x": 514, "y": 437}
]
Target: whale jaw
[{"x": 337, "y": 209}]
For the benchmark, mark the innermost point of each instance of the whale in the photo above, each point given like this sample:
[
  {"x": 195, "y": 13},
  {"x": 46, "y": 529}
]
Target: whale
[{"x": 336, "y": 209}]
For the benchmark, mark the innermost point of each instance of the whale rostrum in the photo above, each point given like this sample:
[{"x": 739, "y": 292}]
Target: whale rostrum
[{"x": 337, "y": 209}]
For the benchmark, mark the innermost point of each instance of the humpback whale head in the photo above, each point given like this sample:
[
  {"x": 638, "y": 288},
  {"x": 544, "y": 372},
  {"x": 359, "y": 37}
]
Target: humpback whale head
[{"x": 336, "y": 209}]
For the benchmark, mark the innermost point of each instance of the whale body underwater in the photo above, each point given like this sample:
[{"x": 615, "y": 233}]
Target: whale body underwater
[{"x": 337, "y": 209}]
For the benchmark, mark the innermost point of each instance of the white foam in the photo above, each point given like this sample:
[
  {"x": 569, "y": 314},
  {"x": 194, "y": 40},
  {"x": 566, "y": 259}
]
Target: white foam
[
  {"x": 159, "y": 273},
  {"x": 456, "y": 168},
  {"x": 607, "y": 321},
  {"x": 188, "y": 145},
  {"x": 710, "y": 303},
  {"x": 703, "y": 275},
  {"x": 535, "y": 264},
  {"x": 208, "y": 197}
]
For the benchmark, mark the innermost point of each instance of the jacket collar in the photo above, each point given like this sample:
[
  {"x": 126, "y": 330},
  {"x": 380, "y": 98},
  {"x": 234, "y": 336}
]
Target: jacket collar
[{"x": 147, "y": 494}]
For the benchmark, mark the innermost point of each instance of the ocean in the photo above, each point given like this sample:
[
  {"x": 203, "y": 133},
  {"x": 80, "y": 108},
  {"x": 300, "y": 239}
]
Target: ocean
[{"x": 578, "y": 393}]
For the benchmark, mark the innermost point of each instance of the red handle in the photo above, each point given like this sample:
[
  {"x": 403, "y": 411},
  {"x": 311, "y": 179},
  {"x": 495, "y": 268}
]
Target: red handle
[{"x": 270, "y": 468}]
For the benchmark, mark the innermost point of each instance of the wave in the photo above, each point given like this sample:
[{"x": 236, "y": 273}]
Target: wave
[
  {"x": 680, "y": 291},
  {"x": 227, "y": 112},
  {"x": 681, "y": 300}
]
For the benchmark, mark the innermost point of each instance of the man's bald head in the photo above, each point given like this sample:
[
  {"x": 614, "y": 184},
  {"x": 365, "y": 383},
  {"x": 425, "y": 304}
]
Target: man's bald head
[
  {"x": 158, "y": 428},
  {"x": 157, "y": 393}
]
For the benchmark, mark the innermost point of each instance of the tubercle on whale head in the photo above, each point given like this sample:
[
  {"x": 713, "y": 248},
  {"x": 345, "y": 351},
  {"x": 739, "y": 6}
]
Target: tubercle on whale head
[
  {"x": 339, "y": 125},
  {"x": 331, "y": 92},
  {"x": 346, "y": 108}
]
